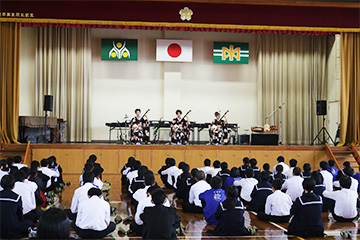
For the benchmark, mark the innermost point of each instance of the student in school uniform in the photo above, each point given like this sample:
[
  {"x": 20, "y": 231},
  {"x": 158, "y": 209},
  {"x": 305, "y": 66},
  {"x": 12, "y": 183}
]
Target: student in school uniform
[
  {"x": 224, "y": 173},
  {"x": 234, "y": 176},
  {"x": 247, "y": 185},
  {"x": 281, "y": 161},
  {"x": 17, "y": 162},
  {"x": 277, "y": 206},
  {"x": 266, "y": 168},
  {"x": 230, "y": 215},
  {"x": 246, "y": 165},
  {"x": 306, "y": 210},
  {"x": 194, "y": 204},
  {"x": 211, "y": 199},
  {"x": 255, "y": 169},
  {"x": 56, "y": 167},
  {"x": 12, "y": 221},
  {"x": 138, "y": 182},
  {"x": 293, "y": 186},
  {"x": 92, "y": 159},
  {"x": 12, "y": 168},
  {"x": 260, "y": 193},
  {"x": 36, "y": 165},
  {"x": 141, "y": 193},
  {"x": 349, "y": 171},
  {"x": 289, "y": 173},
  {"x": 319, "y": 188},
  {"x": 39, "y": 194},
  {"x": 342, "y": 204},
  {"x": 346, "y": 164},
  {"x": 328, "y": 178},
  {"x": 88, "y": 167},
  {"x": 207, "y": 166},
  {"x": 332, "y": 169},
  {"x": 165, "y": 177},
  {"x": 126, "y": 169},
  {"x": 279, "y": 174},
  {"x": 216, "y": 168},
  {"x": 52, "y": 174},
  {"x": 172, "y": 173},
  {"x": 93, "y": 218},
  {"x": 134, "y": 172},
  {"x": 306, "y": 170},
  {"x": 97, "y": 178},
  {"x": 160, "y": 222},
  {"x": 3, "y": 170},
  {"x": 183, "y": 183}
]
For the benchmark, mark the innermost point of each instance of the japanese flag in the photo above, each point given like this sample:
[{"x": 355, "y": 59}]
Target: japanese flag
[{"x": 173, "y": 50}]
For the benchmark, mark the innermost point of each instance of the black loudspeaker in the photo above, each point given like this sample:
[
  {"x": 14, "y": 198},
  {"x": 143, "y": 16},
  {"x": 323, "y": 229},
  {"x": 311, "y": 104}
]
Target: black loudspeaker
[
  {"x": 321, "y": 109},
  {"x": 48, "y": 103}
]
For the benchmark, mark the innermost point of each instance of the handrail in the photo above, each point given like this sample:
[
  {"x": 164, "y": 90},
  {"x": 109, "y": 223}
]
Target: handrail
[
  {"x": 27, "y": 152},
  {"x": 355, "y": 153},
  {"x": 331, "y": 155}
]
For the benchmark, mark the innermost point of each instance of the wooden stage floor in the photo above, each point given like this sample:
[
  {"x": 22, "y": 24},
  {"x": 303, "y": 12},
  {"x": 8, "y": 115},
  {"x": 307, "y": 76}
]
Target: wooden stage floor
[{"x": 195, "y": 224}]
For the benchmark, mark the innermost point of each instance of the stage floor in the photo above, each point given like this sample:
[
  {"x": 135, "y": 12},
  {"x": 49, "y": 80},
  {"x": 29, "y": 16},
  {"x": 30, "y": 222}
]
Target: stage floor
[{"x": 196, "y": 226}]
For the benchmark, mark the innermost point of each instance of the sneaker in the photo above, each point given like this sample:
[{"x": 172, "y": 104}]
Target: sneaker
[
  {"x": 253, "y": 230},
  {"x": 32, "y": 232}
]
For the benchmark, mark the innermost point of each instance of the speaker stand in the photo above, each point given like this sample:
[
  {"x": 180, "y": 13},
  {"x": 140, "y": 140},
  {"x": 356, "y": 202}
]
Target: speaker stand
[
  {"x": 325, "y": 132},
  {"x": 45, "y": 136}
]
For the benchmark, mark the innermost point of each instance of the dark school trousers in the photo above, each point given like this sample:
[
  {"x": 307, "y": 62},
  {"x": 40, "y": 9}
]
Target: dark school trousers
[
  {"x": 88, "y": 233},
  {"x": 188, "y": 207},
  {"x": 277, "y": 219}
]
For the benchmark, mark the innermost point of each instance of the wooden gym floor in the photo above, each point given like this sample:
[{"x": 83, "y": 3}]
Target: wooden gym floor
[{"x": 196, "y": 226}]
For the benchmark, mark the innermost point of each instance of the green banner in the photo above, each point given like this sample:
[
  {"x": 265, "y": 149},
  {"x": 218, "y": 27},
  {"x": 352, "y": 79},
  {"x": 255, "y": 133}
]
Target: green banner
[
  {"x": 231, "y": 52},
  {"x": 119, "y": 49}
]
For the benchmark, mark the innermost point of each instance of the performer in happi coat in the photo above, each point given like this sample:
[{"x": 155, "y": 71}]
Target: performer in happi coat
[
  {"x": 180, "y": 129},
  {"x": 218, "y": 130},
  {"x": 139, "y": 128}
]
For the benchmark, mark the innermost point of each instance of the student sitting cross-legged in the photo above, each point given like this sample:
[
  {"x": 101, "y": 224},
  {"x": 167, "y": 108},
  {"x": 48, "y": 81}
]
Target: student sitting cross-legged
[
  {"x": 307, "y": 213},
  {"x": 277, "y": 206},
  {"x": 194, "y": 204},
  {"x": 289, "y": 173},
  {"x": 207, "y": 167},
  {"x": 247, "y": 185},
  {"x": 246, "y": 165},
  {"x": 172, "y": 173},
  {"x": 332, "y": 169},
  {"x": 278, "y": 174},
  {"x": 160, "y": 222},
  {"x": 281, "y": 161},
  {"x": 255, "y": 168},
  {"x": 183, "y": 183},
  {"x": 211, "y": 199},
  {"x": 93, "y": 217},
  {"x": 342, "y": 203},
  {"x": 293, "y": 186},
  {"x": 234, "y": 176},
  {"x": 306, "y": 170},
  {"x": 319, "y": 188},
  {"x": 224, "y": 173},
  {"x": 260, "y": 193}
]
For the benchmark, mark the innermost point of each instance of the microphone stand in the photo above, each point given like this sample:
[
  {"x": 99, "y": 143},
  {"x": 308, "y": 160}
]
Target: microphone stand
[{"x": 279, "y": 108}]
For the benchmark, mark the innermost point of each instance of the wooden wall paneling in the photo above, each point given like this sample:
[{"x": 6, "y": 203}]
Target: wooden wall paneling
[
  {"x": 75, "y": 159},
  {"x": 144, "y": 155},
  {"x": 195, "y": 158},
  {"x": 159, "y": 156},
  {"x": 38, "y": 154},
  {"x": 97, "y": 152},
  {"x": 110, "y": 161},
  {"x": 124, "y": 155},
  {"x": 267, "y": 157},
  {"x": 229, "y": 156},
  {"x": 318, "y": 157}
]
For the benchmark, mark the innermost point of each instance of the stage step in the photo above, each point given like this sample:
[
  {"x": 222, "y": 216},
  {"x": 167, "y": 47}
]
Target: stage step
[
  {"x": 12, "y": 150},
  {"x": 343, "y": 154}
]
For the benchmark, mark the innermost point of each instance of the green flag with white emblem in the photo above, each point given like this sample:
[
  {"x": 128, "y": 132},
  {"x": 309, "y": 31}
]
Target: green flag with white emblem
[
  {"x": 231, "y": 52},
  {"x": 119, "y": 49}
]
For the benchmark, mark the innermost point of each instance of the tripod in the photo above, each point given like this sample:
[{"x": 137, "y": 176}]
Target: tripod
[{"x": 324, "y": 131}]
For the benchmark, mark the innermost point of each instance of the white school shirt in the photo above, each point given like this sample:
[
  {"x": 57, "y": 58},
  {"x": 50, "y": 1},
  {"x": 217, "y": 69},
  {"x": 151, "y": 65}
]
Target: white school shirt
[
  {"x": 132, "y": 175},
  {"x": 247, "y": 186},
  {"x": 19, "y": 165},
  {"x": 146, "y": 202},
  {"x": 80, "y": 195},
  {"x": 171, "y": 172},
  {"x": 354, "y": 184},
  {"x": 345, "y": 202},
  {"x": 206, "y": 169},
  {"x": 197, "y": 189},
  {"x": 98, "y": 183},
  {"x": 94, "y": 214},
  {"x": 140, "y": 194},
  {"x": 289, "y": 173},
  {"x": 286, "y": 167},
  {"x": 328, "y": 180},
  {"x": 50, "y": 173},
  {"x": 2, "y": 173},
  {"x": 27, "y": 193},
  {"x": 293, "y": 187},
  {"x": 213, "y": 172},
  {"x": 278, "y": 204}
]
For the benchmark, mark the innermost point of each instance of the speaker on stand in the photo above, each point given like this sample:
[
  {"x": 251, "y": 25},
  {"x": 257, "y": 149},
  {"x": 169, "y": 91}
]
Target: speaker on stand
[
  {"x": 321, "y": 110},
  {"x": 48, "y": 106}
]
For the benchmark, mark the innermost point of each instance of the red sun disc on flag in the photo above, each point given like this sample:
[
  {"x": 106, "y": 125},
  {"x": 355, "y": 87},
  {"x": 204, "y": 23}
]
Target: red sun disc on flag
[{"x": 174, "y": 50}]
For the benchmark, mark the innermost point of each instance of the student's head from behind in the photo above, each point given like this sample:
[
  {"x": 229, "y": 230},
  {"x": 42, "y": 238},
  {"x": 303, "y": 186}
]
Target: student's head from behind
[
  {"x": 216, "y": 164},
  {"x": 231, "y": 193},
  {"x": 194, "y": 172},
  {"x": 142, "y": 170},
  {"x": 88, "y": 177},
  {"x": 88, "y": 167},
  {"x": 33, "y": 172},
  {"x": 52, "y": 160},
  {"x": 345, "y": 182},
  {"x": 151, "y": 189},
  {"x": 181, "y": 165},
  {"x": 7, "y": 182},
  {"x": 296, "y": 171},
  {"x": 137, "y": 164},
  {"x": 26, "y": 171},
  {"x": 249, "y": 173},
  {"x": 3, "y": 165},
  {"x": 246, "y": 161},
  {"x": 216, "y": 182},
  {"x": 17, "y": 159},
  {"x": 224, "y": 165},
  {"x": 317, "y": 176},
  {"x": 53, "y": 224},
  {"x": 324, "y": 165},
  {"x": 131, "y": 160},
  {"x": 149, "y": 180},
  {"x": 280, "y": 159},
  {"x": 207, "y": 162},
  {"x": 309, "y": 184},
  {"x": 293, "y": 162},
  {"x": 264, "y": 176},
  {"x": 10, "y": 161},
  {"x": 45, "y": 162},
  {"x": 34, "y": 164},
  {"x": 266, "y": 167},
  {"x": 19, "y": 176},
  {"x": 94, "y": 192},
  {"x": 279, "y": 169},
  {"x": 234, "y": 172},
  {"x": 158, "y": 196},
  {"x": 346, "y": 164},
  {"x": 348, "y": 171},
  {"x": 93, "y": 158},
  {"x": 276, "y": 184},
  {"x": 253, "y": 162},
  {"x": 185, "y": 168},
  {"x": 307, "y": 167},
  {"x": 331, "y": 163},
  {"x": 200, "y": 175},
  {"x": 97, "y": 172},
  {"x": 172, "y": 162}
]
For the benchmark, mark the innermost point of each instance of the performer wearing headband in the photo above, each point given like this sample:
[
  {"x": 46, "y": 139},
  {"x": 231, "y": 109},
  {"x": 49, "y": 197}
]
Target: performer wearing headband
[
  {"x": 218, "y": 130},
  {"x": 139, "y": 128},
  {"x": 179, "y": 129}
]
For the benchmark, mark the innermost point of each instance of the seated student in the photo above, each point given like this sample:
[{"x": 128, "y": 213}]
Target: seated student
[
  {"x": 12, "y": 221},
  {"x": 217, "y": 168},
  {"x": 306, "y": 210},
  {"x": 293, "y": 186},
  {"x": 256, "y": 169},
  {"x": 92, "y": 159},
  {"x": 3, "y": 170},
  {"x": 97, "y": 178},
  {"x": 53, "y": 175},
  {"x": 138, "y": 182},
  {"x": 260, "y": 193},
  {"x": 194, "y": 204},
  {"x": 165, "y": 177},
  {"x": 332, "y": 169},
  {"x": 12, "y": 168},
  {"x": 206, "y": 169},
  {"x": 266, "y": 168},
  {"x": 277, "y": 206},
  {"x": 342, "y": 203},
  {"x": 346, "y": 164},
  {"x": 53, "y": 224},
  {"x": 93, "y": 218},
  {"x": 88, "y": 167},
  {"x": 36, "y": 165},
  {"x": 348, "y": 171},
  {"x": 211, "y": 199},
  {"x": 319, "y": 188},
  {"x": 247, "y": 185},
  {"x": 137, "y": 225},
  {"x": 183, "y": 183},
  {"x": 126, "y": 169},
  {"x": 134, "y": 172},
  {"x": 357, "y": 177},
  {"x": 160, "y": 222},
  {"x": 39, "y": 194},
  {"x": 172, "y": 173},
  {"x": 246, "y": 165},
  {"x": 26, "y": 190},
  {"x": 224, "y": 173},
  {"x": 17, "y": 162},
  {"x": 328, "y": 178},
  {"x": 307, "y": 170},
  {"x": 281, "y": 161},
  {"x": 230, "y": 215},
  {"x": 141, "y": 192},
  {"x": 234, "y": 176},
  {"x": 80, "y": 195},
  {"x": 279, "y": 174},
  {"x": 56, "y": 167},
  {"x": 289, "y": 173}
]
